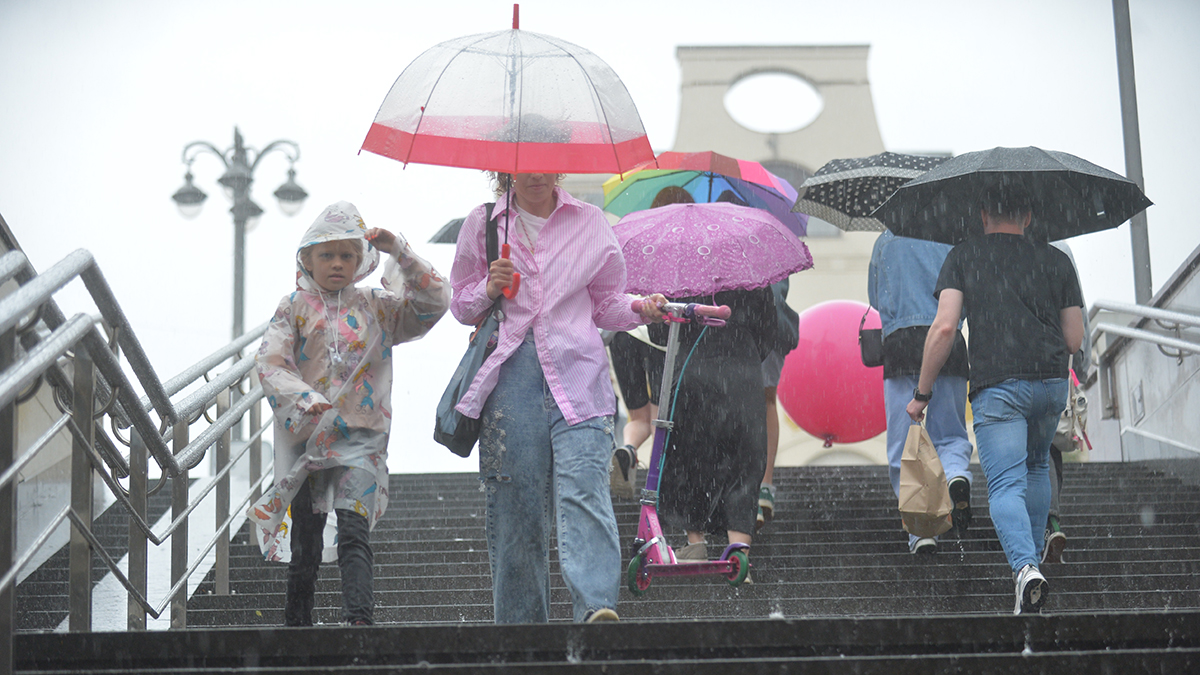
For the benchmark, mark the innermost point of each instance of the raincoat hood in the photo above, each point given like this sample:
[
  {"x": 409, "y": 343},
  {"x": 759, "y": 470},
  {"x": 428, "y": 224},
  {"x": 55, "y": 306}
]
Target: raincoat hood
[{"x": 338, "y": 221}]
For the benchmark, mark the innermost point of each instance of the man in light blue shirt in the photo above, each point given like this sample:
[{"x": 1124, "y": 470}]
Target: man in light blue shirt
[{"x": 900, "y": 284}]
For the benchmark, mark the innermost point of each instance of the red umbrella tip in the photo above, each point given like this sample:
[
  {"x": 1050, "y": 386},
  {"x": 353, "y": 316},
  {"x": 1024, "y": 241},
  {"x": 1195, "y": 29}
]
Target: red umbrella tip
[{"x": 516, "y": 16}]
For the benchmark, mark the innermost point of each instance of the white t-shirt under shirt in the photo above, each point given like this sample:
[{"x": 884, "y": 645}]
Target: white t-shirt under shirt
[{"x": 531, "y": 226}]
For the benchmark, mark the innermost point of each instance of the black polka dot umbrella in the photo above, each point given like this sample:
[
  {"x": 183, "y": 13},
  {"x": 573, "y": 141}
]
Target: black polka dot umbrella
[{"x": 846, "y": 191}]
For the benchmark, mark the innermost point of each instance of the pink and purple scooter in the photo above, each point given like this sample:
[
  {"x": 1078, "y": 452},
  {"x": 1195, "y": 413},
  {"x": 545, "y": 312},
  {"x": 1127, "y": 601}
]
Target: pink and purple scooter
[{"x": 652, "y": 556}]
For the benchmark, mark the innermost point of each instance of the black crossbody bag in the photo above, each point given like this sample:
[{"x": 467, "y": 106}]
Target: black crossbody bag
[
  {"x": 452, "y": 428},
  {"x": 870, "y": 343}
]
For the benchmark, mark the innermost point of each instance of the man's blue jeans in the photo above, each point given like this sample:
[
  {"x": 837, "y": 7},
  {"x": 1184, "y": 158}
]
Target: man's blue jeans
[
  {"x": 944, "y": 420},
  {"x": 1014, "y": 424},
  {"x": 539, "y": 471}
]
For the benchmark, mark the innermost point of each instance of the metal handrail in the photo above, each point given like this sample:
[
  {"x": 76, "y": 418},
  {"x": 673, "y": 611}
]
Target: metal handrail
[
  {"x": 189, "y": 375},
  {"x": 80, "y": 264},
  {"x": 1155, "y": 313},
  {"x": 1161, "y": 439},
  {"x": 1183, "y": 348},
  {"x": 93, "y": 451}
]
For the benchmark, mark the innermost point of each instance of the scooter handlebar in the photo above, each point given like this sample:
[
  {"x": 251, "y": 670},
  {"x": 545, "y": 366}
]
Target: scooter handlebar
[{"x": 686, "y": 309}]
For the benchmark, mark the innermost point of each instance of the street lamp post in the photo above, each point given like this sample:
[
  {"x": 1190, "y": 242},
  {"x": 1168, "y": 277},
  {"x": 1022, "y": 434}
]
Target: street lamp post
[{"x": 238, "y": 176}]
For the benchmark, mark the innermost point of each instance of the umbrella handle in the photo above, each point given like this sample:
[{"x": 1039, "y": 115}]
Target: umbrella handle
[{"x": 511, "y": 291}]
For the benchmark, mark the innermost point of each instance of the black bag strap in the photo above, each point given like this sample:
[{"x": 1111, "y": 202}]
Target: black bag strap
[
  {"x": 492, "y": 244},
  {"x": 864, "y": 319},
  {"x": 492, "y": 235}
]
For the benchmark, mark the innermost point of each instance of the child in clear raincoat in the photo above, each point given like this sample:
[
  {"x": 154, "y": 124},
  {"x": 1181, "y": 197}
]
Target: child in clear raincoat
[{"x": 326, "y": 370}]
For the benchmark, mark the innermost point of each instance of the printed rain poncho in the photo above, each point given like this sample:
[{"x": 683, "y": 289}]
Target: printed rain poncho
[{"x": 336, "y": 348}]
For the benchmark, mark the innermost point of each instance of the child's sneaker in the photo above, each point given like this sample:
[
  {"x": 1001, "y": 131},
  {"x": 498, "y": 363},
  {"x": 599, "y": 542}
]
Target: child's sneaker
[
  {"x": 1056, "y": 542},
  {"x": 623, "y": 474},
  {"x": 1032, "y": 590},
  {"x": 766, "y": 504}
]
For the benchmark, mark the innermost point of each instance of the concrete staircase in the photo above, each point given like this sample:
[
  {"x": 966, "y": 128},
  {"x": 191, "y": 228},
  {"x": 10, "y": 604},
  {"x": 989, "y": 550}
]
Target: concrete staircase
[
  {"x": 42, "y": 597},
  {"x": 835, "y": 590}
]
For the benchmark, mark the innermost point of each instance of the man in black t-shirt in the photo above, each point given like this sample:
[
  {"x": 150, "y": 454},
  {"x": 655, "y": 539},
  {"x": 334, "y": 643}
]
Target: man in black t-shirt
[{"x": 1021, "y": 300}]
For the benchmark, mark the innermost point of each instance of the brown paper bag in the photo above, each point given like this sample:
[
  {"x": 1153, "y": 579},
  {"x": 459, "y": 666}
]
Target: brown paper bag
[{"x": 925, "y": 504}]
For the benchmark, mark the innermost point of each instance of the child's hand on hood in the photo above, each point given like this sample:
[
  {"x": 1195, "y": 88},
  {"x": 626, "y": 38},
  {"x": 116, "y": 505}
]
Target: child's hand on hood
[{"x": 385, "y": 241}]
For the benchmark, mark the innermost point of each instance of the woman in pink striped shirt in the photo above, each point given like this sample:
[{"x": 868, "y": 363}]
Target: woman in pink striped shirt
[{"x": 545, "y": 396}]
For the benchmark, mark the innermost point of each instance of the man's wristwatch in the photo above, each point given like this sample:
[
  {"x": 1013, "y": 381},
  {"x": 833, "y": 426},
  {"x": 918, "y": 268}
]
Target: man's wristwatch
[{"x": 918, "y": 396}]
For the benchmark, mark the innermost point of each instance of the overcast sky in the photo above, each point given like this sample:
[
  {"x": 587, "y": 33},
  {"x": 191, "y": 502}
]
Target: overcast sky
[{"x": 100, "y": 97}]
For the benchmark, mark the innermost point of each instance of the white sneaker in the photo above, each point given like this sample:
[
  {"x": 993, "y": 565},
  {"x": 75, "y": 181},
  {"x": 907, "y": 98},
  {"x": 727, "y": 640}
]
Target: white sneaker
[
  {"x": 924, "y": 546},
  {"x": 602, "y": 615},
  {"x": 1032, "y": 590}
]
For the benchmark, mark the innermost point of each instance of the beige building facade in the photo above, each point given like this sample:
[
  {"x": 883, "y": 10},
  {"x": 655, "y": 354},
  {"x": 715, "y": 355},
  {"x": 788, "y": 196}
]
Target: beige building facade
[{"x": 845, "y": 127}]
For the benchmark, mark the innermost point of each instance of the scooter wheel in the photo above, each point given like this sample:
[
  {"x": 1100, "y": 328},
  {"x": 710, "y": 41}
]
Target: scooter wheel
[
  {"x": 741, "y": 567},
  {"x": 636, "y": 577}
]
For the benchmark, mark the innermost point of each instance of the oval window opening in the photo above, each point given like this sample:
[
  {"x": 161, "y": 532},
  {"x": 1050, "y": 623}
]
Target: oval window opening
[{"x": 773, "y": 103}]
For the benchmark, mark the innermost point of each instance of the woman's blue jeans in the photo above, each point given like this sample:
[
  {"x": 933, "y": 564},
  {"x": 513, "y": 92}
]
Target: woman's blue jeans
[
  {"x": 539, "y": 471},
  {"x": 1014, "y": 424}
]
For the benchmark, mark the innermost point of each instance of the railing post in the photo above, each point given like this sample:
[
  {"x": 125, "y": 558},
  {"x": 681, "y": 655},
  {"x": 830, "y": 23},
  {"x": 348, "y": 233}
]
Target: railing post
[
  {"x": 139, "y": 465},
  {"x": 179, "y": 538},
  {"x": 221, "y": 573},
  {"x": 255, "y": 450},
  {"x": 8, "y": 506},
  {"x": 80, "y": 586}
]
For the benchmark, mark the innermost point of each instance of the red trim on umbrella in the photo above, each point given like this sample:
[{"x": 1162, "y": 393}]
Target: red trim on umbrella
[
  {"x": 701, "y": 161},
  {"x": 502, "y": 156}
]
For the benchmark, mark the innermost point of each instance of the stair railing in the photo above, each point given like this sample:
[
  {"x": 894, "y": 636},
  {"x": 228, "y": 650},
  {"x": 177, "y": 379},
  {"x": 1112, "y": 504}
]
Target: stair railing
[
  {"x": 1176, "y": 347},
  {"x": 34, "y": 337}
]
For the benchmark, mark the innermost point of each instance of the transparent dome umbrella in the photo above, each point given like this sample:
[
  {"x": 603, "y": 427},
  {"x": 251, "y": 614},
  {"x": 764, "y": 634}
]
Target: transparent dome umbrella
[
  {"x": 510, "y": 101},
  {"x": 1071, "y": 196},
  {"x": 845, "y": 192},
  {"x": 706, "y": 176},
  {"x": 685, "y": 250}
]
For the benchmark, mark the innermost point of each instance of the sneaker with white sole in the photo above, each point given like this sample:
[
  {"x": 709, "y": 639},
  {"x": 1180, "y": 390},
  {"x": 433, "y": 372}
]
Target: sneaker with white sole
[
  {"x": 1031, "y": 590},
  {"x": 766, "y": 504},
  {"x": 602, "y": 615},
  {"x": 622, "y": 477},
  {"x": 960, "y": 494},
  {"x": 1055, "y": 542},
  {"x": 923, "y": 546}
]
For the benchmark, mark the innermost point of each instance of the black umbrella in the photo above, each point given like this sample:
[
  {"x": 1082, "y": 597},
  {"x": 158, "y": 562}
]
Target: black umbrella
[
  {"x": 846, "y": 191},
  {"x": 1071, "y": 196}
]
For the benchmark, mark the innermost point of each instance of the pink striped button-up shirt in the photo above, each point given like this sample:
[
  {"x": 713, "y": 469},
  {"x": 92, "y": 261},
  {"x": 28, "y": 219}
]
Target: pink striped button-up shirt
[{"x": 571, "y": 285}]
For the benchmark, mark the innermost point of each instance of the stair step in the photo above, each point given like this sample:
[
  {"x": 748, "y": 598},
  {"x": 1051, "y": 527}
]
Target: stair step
[{"x": 1159, "y": 641}]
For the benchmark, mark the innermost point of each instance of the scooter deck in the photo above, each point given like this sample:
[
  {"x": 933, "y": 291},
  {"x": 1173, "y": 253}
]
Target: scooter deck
[{"x": 724, "y": 567}]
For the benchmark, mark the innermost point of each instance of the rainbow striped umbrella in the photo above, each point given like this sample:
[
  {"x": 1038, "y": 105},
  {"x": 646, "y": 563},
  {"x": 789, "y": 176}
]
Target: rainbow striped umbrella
[{"x": 706, "y": 176}]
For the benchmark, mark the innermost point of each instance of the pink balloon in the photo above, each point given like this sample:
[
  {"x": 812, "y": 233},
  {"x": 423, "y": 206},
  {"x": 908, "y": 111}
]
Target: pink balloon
[{"x": 824, "y": 387}]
